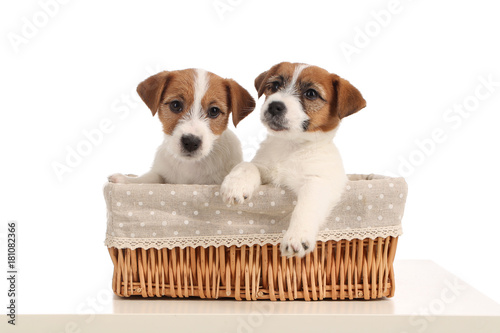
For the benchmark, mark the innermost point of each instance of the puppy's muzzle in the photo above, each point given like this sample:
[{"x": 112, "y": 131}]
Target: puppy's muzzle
[{"x": 190, "y": 143}]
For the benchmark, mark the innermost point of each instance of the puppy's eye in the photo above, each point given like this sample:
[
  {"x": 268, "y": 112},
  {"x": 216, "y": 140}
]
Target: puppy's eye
[
  {"x": 213, "y": 112},
  {"x": 311, "y": 94},
  {"x": 175, "y": 106},
  {"x": 275, "y": 86}
]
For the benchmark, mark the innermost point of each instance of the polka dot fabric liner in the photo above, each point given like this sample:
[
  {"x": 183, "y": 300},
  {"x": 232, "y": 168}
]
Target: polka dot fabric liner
[{"x": 171, "y": 215}]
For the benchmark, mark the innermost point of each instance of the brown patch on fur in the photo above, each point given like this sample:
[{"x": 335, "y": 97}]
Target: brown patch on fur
[
  {"x": 159, "y": 90},
  {"x": 262, "y": 82}
]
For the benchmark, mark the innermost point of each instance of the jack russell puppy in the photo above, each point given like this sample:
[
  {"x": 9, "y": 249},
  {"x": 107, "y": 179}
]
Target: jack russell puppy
[
  {"x": 302, "y": 111},
  {"x": 193, "y": 106}
]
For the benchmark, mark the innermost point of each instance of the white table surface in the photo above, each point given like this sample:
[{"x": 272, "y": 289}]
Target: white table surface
[{"x": 427, "y": 299}]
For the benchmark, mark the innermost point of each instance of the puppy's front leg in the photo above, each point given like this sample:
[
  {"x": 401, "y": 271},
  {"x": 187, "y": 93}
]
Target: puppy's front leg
[
  {"x": 150, "y": 177},
  {"x": 315, "y": 200},
  {"x": 240, "y": 183}
]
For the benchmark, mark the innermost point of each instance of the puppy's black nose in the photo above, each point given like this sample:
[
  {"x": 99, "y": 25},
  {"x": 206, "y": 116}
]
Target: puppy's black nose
[
  {"x": 276, "y": 108},
  {"x": 190, "y": 142}
]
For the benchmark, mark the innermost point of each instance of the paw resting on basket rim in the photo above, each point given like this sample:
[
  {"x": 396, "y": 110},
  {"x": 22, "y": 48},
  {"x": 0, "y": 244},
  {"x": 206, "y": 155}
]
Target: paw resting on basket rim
[
  {"x": 118, "y": 178},
  {"x": 297, "y": 243},
  {"x": 235, "y": 189}
]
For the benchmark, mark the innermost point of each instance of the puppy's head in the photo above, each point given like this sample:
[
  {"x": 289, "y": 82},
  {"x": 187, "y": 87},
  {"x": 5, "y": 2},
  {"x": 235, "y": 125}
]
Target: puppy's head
[
  {"x": 301, "y": 99},
  {"x": 194, "y": 106}
]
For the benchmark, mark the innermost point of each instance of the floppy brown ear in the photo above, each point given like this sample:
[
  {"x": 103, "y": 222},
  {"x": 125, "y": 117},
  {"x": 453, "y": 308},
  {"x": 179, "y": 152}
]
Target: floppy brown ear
[
  {"x": 260, "y": 83},
  {"x": 348, "y": 99},
  {"x": 241, "y": 104},
  {"x": 151, "y": 90}
]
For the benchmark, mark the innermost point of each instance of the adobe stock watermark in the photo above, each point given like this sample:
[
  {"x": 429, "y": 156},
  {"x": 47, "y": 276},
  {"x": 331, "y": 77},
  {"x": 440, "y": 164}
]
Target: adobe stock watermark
[
  {"x": 453, "y": 118},
  {"x": 255, "y": 319},
  {"x": 34, "y": 23},
  {"x": 363, "y": 36},
  {"x": 251, "y": 144},
  {"x": 222, "y": 7},
  {"x": 91, "y": 138},
  {"x": 421, "y": 319}
]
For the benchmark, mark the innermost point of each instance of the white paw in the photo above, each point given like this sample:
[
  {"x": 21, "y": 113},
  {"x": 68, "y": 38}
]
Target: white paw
[
  {"x": 298, "y": 242},
  {"x": 236, "y": 189},
  {"x": 118, "y": 178}
]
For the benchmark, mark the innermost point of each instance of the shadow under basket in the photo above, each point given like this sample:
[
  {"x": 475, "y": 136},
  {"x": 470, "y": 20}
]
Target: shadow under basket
[
  {"x": 356, "y": 269},
  {"x": 182, "y": 241}
]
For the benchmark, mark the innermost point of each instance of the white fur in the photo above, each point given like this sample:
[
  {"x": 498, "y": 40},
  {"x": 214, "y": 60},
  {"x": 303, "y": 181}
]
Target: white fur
[
  {"x": 306, "y": 162},
  {"x": 207, "y": 165}
]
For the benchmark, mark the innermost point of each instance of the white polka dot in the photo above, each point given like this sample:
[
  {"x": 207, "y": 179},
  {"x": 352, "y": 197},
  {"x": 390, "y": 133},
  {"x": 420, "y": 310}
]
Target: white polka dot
[
  {"x": 195, "y": 212},
  {"x": 152, "y": 213},
  {"x": 359, "y": 218},
  {"x": 337, "y": 219},
  {"x": 348, "y": 187},
  {"x": 186, "y": 222},
  {"x": 118, "y": 203},
  {"x": 283, "y": 212},
  {"x": 219, "y": 232},
  {"x": 370, "y": 206},
  {"x": 239, "y": 212},
  {"x": 130, "y": 214},
  {"x": 162, "y": 203},
  {"x": 120, "y": 225},
  {"x": 228, "y": 205},
  {"x": 262, "y": 231},
  {"x": 229, "y": 222},
  {"x": 184, "y": 203},
  {"x": 140, "y": 203},
  {"x": 250, "y": 204},
  {"x": 273, "y": 203},
  {"x": 283, "y": 231},
  {"x": 251, "y": 221},
  {"x": 348, "y": 208},
  {"x": 206, "y": 204},
  {"x": 273, "y": 221},
  {"x": 154, "y": 234},
  {"x": 326, "y": 229},
  {"x": 172, "y": 192},
  {"x": 197, "y": 232},
  {"x": 380, "y": 217},
  {"x": 261, "y": 193},
  {"x": 391, "y": 185},
  {"x": 360, "y": 197},
  {"x": 401, "y": 195},
  {"x": 132, "y": 235},
  {"x": 282, "y": 192},
  {"x": 143, "y": 224},
  {"x": 207, "y": 221},
  {"x": 381, "y": 196},
  {"x": 164, "y": 223},
  {"x": 391, "y": 206},
  {"x": 112, "y": 233},
  {"x": 217, "y": 212},
  {"x": 150, "y": 192},
  {"x": 176, "y": 232},
  {"x": 400, "y": 217},
  {"x": 370, "y": 185},
  {"x": 128, "y": 192},
  {"x": 195, "y": 192},
  {"x": 294, "y": 203},
  {"x": 241, "y": 231},
  {"x": 174, "y": 212},
  {"x": 216, "y": 194}
]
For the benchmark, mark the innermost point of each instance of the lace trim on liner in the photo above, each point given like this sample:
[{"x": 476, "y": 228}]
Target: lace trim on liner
[{"x": 249, "y": 240}]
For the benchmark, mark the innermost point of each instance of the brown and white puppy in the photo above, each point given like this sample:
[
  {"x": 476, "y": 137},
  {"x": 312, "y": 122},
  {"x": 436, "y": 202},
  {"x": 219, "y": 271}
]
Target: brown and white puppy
[
  {"x": 303, "y": 108},
  {"x": 193, "y": 106}
]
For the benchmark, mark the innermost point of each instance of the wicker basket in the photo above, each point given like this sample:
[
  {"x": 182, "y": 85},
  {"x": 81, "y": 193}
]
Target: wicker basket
[{"x": 349, "y": 268}]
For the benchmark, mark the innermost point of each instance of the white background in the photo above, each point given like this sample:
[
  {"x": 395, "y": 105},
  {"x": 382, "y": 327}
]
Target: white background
[{"x": 83, "y": 64}]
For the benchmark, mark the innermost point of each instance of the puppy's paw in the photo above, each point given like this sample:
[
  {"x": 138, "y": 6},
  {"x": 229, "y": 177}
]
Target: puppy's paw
[
  {"x": 118, "y": 178},
  {"x": 298, "y": 243},
  {"x": 236, "y": 189}
]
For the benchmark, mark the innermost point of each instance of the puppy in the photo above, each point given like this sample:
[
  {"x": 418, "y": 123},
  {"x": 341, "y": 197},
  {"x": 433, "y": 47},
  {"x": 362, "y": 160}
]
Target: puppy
[
  {"x": 302, "y": 111},
  {"x": 194, "y": 106}
]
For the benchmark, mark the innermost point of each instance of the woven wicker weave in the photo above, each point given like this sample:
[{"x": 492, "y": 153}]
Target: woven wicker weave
[{"x": 335, "y": 270}]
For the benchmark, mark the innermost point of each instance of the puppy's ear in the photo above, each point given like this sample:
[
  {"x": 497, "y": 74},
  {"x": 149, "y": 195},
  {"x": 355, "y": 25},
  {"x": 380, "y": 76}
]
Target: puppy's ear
[
  {"x": 240, "y": 103},
  {"x": 260, "y": 81},
  {"x": 348, "y": 99},
  {"x": 152, "y": 89}
]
